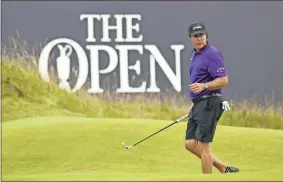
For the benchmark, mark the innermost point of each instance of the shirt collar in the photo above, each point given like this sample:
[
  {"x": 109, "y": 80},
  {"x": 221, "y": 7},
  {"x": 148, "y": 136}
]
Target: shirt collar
[{"x": 202, "y": 49}]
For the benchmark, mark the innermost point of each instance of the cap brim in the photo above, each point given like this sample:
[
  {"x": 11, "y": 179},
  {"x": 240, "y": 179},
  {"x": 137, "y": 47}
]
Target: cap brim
[{"x": 198, "y": 32}]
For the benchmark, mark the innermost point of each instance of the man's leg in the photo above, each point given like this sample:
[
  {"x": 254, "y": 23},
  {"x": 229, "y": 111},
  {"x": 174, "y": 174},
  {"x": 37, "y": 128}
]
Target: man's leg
[
  {"x": 193, "y": 129},
  {"x": 191, "y": 143},
  {"x": 193, "y": 146},
  {"x": 206, "y": 157},
  {"x": 207, "y": 118}
]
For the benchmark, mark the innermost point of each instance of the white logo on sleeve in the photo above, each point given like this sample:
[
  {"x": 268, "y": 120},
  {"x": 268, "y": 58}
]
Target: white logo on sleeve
[{"x": 220, "y": 70}]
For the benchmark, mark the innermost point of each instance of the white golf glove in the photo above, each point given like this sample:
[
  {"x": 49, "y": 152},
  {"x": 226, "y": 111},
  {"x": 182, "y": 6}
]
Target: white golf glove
[{"x": 225, "y": 106}]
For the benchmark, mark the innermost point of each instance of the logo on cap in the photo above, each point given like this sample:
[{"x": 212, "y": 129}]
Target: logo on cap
[{"x": 197, "y": 27}]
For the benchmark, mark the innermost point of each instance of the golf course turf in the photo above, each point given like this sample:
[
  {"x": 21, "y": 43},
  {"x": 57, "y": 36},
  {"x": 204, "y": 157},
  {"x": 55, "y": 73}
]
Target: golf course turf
[
  {"x": 49, "y": 134},
  {"x": 82, "y": 148}
]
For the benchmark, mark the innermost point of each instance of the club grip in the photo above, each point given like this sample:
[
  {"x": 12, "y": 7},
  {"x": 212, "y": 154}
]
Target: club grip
[{"x": 182, "y": 118}]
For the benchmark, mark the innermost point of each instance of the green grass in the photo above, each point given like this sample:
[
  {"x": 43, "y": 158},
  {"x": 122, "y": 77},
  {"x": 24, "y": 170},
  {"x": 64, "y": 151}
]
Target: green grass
[
  {"x": 39, "y": 141},
  {"x": 45, "y": 99},
  {"x": 80, "y": 148}
]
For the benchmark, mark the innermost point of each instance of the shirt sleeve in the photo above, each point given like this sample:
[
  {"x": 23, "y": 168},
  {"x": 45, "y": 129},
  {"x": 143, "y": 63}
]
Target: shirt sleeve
[{"x": 216, "y": 67}]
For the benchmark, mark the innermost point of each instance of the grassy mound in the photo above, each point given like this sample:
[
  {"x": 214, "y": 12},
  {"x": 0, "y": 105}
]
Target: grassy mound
[
  {"x": 79, "y": 148},
  {"x": 25, "y": 95}
]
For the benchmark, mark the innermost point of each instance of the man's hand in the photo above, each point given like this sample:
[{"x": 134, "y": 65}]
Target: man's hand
[
  {"x": 225, "y": 106},
  {"x": 197, "y": 87}
]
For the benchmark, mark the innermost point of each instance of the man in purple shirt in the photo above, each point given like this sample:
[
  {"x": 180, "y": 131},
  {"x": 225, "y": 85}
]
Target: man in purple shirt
[{"x": 208, "y": 76}]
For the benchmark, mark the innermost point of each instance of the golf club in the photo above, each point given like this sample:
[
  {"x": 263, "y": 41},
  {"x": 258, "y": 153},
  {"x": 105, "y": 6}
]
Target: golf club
[{"x": 176, "y": 121}]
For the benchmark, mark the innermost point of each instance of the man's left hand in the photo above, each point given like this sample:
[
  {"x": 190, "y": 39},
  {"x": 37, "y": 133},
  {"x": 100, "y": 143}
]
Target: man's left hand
[{"x": 197, "y": 87}]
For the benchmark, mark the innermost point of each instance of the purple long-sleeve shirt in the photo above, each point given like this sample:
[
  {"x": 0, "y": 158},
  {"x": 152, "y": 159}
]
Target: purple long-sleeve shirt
[{"x": 205, "y": 66}]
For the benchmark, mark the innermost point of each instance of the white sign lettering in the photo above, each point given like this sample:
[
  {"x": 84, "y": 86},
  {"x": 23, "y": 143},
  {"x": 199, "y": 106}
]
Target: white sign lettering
[{"x": 119, "y": 56}]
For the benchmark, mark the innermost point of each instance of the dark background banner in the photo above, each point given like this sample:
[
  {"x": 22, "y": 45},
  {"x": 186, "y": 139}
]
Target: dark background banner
[{"x": 249, "y": 34}]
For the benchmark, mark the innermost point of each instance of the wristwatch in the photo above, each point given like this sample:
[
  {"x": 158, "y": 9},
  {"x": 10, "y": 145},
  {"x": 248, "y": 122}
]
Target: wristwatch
[{"x": 205, "y": 85}]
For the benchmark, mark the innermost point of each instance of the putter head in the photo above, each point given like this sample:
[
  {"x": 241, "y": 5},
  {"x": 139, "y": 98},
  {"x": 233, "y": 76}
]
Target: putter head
[{"x": 126, "y": 146}]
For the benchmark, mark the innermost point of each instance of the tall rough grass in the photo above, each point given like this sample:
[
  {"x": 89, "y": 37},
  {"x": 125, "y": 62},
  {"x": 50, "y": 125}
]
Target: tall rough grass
[{"x": 24, "y": 94}]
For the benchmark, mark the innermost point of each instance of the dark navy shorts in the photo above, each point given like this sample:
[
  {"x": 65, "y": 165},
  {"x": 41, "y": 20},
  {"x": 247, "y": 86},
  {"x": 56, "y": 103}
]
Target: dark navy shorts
[{"x": 203, "y": 119}]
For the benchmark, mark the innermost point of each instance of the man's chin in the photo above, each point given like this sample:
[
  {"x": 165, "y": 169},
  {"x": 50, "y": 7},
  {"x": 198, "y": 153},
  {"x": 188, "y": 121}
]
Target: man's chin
[{"x": 200, "y": 46}]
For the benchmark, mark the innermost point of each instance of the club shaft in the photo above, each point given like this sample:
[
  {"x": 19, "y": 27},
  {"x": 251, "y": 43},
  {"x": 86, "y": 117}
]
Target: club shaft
[
  {"x": 178, "y": 120},
  {"x": 155, "y": 133}
]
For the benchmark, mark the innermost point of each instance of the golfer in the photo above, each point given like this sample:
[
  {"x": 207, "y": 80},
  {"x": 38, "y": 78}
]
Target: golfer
[{"x": 208, "y": 76}]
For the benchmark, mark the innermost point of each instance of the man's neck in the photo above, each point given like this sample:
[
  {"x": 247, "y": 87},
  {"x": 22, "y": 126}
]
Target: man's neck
[{"x": 198, "y": 50}]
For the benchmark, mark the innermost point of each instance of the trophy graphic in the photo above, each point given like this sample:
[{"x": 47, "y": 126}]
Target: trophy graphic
[{"x": 63, "y": 66}]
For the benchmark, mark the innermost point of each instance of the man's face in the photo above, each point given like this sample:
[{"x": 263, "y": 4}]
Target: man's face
[{"x": 198, "y": 40}]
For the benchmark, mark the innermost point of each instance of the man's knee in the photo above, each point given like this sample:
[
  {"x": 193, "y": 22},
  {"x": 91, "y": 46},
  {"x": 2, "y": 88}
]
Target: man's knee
[
  {"x": 204, "y": 147},
  {"x": 191, "y": 145}
]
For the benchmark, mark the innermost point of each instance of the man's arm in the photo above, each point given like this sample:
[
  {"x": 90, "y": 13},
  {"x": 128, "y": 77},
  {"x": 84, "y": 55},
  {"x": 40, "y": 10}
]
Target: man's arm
[
  {"x": 213, "y": 85},
  {"x": 217, "y": 70},
  {"x": 217, "y": 83}
]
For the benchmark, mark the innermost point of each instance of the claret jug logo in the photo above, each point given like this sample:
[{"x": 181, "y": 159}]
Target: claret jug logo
[{"x": 118, "y": 56}]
